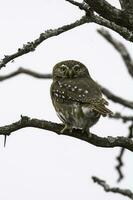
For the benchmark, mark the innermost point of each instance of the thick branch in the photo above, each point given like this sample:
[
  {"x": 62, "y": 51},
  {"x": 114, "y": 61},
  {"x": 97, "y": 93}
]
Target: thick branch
[
  {"x": 107, "y": 188},
  {"x": 120, "y": 48},
  {"x": 31, "y": 46},
  {"x": 126, "y": 4},
  {"x": 105, "y": 9},
  {"x": 124, "y": 32},
  {"x": 107, "y": 142},
  {"x": 109, "y": 12}
]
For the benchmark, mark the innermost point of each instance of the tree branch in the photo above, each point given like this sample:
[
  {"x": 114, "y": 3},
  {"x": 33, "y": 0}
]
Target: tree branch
[
  {"x": 116, "y": 99},
  {"x": 107, "y": 188},
  {"x": 123, "y": 31},
  {"x": 120, "y": 156},
  {"x": 27, "y": 72},
  {"x": 107, "y": 142},
  {"x": 31, "y": 46},
  {"x": 126, "y": 4},
  {"x": 105, "y": 9},
  {"x": 120, "y": 48},
  {"x": 109, "y": 12},
  {"x": 118, "y": 115}
]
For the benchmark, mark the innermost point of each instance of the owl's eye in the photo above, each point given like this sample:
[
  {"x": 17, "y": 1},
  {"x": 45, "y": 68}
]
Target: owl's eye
[
  {"x": 63, "y": 68},
  {"x": 76, "y": 68}
]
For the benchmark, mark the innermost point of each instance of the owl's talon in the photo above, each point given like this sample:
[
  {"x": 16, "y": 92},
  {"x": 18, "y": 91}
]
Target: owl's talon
[
  {"x": 66, "y": 128},
  {"x": 88, "y": 133}
]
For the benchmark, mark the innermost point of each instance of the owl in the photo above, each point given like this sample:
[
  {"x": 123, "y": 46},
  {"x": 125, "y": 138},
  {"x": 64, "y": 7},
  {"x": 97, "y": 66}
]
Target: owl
[{"x": 76, "y": 97}]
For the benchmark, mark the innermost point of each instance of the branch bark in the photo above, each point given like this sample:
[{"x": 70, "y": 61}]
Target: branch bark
[
  {"x": 126, "y": 5},
  {"x": 27, "y": 72},
  {"x": 105, "y": 9},
  {"x": 109, "y": 12},
  {"x": 124, "y": 118},
  {"x": 90, "y": 17},
  {"x": 120, "y": 48},
  {"x": 121, "y": 154},
  {"x": 123, "y": 31},
  {"x": 116, "y": 99},
  {"x": 107, "y": 142},
  {"x": 107, "y": 188},
  {"x": 31, "y": 46}
]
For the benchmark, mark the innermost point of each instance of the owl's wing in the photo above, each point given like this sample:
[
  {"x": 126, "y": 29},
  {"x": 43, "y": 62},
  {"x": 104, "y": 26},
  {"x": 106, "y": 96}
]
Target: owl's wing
[
  {"x": 92, "y": 96},
  {"x": 84, "y": 91},
  {"x": 100, "y": 107}
]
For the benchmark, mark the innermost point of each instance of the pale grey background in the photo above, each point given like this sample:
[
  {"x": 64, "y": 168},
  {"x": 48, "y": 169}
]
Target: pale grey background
[{"x": 37, "y": 164}]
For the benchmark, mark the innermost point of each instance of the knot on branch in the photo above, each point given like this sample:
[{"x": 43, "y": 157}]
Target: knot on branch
[
  {"x": 24, "y": 119},
  {"x": 30, "y": 46}
]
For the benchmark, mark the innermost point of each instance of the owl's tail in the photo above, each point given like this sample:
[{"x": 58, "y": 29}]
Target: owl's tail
[{"x": 101, "y": 109}]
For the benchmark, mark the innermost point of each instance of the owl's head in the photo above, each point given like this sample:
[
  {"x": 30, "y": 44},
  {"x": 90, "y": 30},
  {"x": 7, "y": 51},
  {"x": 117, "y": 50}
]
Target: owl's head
[{"x": 69, "y": 69}]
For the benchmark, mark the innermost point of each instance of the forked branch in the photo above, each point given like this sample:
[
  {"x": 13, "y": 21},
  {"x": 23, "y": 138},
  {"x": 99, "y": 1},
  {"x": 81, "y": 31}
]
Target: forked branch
[{"x": 107, "y": 188}]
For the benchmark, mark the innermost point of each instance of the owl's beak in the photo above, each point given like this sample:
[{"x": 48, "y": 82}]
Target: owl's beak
[{"x": 71, "y": 73}]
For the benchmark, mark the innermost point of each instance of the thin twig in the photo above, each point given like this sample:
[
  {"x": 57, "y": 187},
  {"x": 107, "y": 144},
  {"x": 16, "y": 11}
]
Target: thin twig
[
  {"x": 124, "y": 118},
  {"x": 120, "y": 156},
  {"x": 116, "y": 99},
  {"x": 107, "y": 188},
  {"x": 107, "y": 142},
  {"x": 27, "y": 72}
]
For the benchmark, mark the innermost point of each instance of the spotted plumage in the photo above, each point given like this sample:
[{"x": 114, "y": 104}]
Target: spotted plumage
[{"x": 76, "y": 96}]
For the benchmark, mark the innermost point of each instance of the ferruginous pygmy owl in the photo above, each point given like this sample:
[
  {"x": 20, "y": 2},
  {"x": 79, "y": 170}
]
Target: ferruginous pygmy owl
[{"x": 76, "y": 97}]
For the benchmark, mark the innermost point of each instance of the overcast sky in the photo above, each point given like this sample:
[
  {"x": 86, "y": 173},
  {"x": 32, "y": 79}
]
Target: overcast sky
[{"x": 37, "y": 164}]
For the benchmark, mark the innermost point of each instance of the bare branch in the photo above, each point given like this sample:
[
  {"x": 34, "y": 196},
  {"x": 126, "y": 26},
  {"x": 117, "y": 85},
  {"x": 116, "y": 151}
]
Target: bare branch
[
  {"x": 109, "y": 12},
  {"x": 118, "y": 115},
  {"x": 107, "y": 188},
  {"x": 120, "y": 48},
  {"x": 107, "y": 142},
  {"x": 27, "y": 72},
  {"x": 123, "y": 31},
  {"x": 116, "y": 99},
  {"x": 105, "y": 9},
  {"x": 120, "y": 164},
  {"x": 120, "y": 156},
  {"x": 126, "y": 4},
  {"x": 82, "y": 6},
  {"x": 31, "y": 46}
]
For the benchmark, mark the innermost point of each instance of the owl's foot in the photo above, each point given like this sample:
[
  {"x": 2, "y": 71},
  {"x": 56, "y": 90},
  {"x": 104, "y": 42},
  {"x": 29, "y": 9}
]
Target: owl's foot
[
  {"x": 89, "y": 134},
  {"x": 67, "y": 127},
  {"x": 87, "y": 131}
]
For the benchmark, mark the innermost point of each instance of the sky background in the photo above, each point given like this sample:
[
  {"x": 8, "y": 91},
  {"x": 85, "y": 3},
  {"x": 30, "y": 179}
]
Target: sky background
[{"x": 37, "y": 164}]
